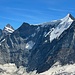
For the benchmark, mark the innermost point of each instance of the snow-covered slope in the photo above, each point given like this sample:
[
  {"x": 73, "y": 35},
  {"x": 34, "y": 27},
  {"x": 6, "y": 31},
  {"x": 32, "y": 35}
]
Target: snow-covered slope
[
  {"x": 29, "y": 46},
  {"x": 52, "y": 23},
  {"x": 65, "y": 24},
  {"x": 59, "y": 26}
]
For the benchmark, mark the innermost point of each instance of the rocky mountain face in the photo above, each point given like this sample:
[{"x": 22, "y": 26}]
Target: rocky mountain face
[{"x": 38, "y": 47}]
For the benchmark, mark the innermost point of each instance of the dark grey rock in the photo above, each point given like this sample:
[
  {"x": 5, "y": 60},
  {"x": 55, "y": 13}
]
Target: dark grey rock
[{"x": 42, "y": 55}]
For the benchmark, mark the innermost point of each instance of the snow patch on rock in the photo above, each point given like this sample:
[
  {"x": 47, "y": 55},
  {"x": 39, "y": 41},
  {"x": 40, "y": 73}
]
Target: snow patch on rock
[
  {"x": 10, "y": 30},
  {"x": 29, "y": 45},
  {"x": 2, "y": 41},
  {"x": 33, "y": 34}
]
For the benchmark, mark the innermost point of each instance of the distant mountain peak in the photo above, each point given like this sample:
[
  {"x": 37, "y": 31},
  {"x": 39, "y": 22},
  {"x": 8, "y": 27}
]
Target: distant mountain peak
[
  {"x": 65, "y": 23},
  {"x": 70, "y": 16},
  {"x": 8, "y": 25},
  {"x": 8, "y": 29}
]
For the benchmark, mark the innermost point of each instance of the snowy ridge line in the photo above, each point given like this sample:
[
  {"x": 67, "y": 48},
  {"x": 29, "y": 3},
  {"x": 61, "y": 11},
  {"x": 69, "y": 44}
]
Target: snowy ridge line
[
  {"x": 60, "y": 26},
  {"x": 64, "y": 25},
  {"x": 8, "y": 29}
]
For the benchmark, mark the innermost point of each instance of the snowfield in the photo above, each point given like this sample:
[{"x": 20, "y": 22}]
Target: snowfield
[
  {"x": 65, "y": 24},
  {"x": 56, "y": 69}
]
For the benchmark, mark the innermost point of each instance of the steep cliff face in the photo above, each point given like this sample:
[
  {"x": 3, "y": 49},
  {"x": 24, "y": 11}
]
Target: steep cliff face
[{"x": 38, "y": 47}]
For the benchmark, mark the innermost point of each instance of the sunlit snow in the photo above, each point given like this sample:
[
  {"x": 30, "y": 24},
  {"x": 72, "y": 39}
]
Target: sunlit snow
[
  {"x": 65, "y": 24},
  {"x": 10, "y": 30},
  {"x": 2, "y": 41}
]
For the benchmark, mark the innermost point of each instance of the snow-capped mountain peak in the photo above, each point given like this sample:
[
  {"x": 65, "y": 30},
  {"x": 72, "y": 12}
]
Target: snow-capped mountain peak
[
  {"x": 62, "y": 26},
  {"x": 8, "y": 29},
  {"x": 69, "y": 16},
  {"x": 30, "y": 43}
]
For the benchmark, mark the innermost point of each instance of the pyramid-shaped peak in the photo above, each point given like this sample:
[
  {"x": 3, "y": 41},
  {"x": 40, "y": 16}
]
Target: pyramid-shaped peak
[
  {"x": 8, "y": 29},
  {"x": 69, "y": 15},
  {"x": 8, "y": 25}
]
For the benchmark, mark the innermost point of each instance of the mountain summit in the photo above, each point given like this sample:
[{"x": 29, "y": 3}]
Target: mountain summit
[
  {"x": 39, "y": 47},
  {"x": 69, "y": 15},
  {"x": 62, "y": 26},
  {"x": 8, "y": 29}
]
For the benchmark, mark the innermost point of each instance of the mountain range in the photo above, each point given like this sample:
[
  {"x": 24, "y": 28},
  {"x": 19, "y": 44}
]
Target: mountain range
[{"x": 39, "y": 47}]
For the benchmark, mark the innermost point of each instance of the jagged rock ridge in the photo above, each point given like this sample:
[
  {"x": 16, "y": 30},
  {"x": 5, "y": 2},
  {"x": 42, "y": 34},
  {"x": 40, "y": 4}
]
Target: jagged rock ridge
[
  {"x": 8, "y": 29},
  {"x": 38, "y": 47}
]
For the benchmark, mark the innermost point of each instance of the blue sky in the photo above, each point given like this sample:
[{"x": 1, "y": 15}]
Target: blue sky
[{"x": 15, "y": 12}]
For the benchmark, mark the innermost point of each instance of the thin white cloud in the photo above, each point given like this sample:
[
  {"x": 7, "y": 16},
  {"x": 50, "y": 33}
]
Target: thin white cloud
[
  {"x": 29, "y": 14},
  {"x": 60, "y": 10},
  {"x": 11, "y": 19},
  {"x": 27, "y": 10}
]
